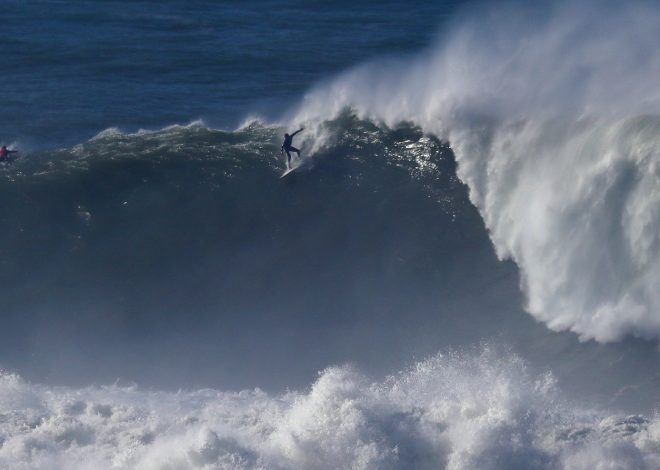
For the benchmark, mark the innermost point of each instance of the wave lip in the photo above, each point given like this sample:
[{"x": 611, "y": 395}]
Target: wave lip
[{"x": 559, "y": 148}]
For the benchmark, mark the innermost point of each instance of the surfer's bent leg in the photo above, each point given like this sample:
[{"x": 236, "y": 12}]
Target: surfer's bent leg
[
  {"x": 293, "y": 149},
  {"x": 288, "y": 157}
]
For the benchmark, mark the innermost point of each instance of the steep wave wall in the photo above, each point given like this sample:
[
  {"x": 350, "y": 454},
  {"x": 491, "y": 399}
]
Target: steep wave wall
[{"x": 179, "y": 257}]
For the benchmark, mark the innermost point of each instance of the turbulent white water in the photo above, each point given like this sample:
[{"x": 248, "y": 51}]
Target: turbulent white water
[
  {"x": 458, "y": 411},
  {"x": 554, "y": 116}
]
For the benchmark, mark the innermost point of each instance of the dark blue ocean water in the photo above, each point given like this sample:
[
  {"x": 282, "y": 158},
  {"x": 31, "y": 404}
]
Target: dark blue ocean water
[{"x": 74, "y": 68}]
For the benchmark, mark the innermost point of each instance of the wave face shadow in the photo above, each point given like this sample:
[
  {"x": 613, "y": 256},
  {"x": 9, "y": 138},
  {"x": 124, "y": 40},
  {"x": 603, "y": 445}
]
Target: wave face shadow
[{"x": 179, "y": 256}]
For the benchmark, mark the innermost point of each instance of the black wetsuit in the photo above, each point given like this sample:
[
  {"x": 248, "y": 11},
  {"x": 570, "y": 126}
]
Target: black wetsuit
[
  {"x": 287, "y": 147},
  {"x": 288, "y": 140}
]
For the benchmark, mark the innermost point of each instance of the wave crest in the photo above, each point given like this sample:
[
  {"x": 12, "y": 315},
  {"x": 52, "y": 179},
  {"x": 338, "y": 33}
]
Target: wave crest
[{"x": 553, "y": 114}]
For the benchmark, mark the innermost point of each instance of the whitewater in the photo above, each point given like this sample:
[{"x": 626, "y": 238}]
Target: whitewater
[
  {"x": 557, "y": 137},
  {"x": 449, "y": 411},
  {"x": 464, "y": 273}
]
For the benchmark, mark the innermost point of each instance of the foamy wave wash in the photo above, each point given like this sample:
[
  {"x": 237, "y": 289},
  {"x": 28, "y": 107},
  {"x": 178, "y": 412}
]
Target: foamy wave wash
[
  {"x": 455, "y": 412},
  {"x": 554, "y": 117}
]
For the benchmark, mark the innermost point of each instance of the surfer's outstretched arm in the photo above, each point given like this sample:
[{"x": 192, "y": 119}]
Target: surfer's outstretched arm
[{"x": 299, "y": 130}]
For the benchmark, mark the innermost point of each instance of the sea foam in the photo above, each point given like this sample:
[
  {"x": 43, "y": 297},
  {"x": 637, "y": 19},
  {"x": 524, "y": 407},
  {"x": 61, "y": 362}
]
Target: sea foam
[{"x": 457, "y": 411}]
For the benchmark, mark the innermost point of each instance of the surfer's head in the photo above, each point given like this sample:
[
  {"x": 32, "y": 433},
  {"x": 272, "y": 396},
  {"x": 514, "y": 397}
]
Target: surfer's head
[{"x": 286, "y": 135}]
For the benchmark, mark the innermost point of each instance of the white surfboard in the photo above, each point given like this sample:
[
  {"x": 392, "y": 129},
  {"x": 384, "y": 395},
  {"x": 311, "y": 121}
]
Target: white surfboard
[{"x": 290, "y": 170}]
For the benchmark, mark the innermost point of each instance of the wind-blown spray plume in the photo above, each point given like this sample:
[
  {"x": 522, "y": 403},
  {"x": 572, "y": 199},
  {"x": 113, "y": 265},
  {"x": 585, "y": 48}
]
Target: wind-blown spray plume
[{"x": 554, "y": 118}]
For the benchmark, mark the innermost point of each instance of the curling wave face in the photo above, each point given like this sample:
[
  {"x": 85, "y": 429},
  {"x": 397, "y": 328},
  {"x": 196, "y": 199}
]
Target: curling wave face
[
  {"x": 454, "y": 411},
  {"x": 554, "y": 116}
]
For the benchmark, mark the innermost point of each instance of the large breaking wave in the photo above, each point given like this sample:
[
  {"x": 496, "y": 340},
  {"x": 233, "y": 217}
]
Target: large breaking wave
[
  {"x": 454, "y": 411},
  {"x": 459, "y": 410},
  {"x": 183, "y": 247},
  {"x": 553, "y": 114}
]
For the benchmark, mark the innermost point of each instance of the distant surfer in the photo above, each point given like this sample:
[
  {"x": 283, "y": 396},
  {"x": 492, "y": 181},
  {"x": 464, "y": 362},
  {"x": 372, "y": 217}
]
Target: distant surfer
[
  {"x": 4, "y": 153},
  {"x": 287, "y": 147}
]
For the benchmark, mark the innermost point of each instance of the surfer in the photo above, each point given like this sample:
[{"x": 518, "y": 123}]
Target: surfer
[
  {"x": 4, "y": 153},
  {"x": 287, "y": 147}
]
